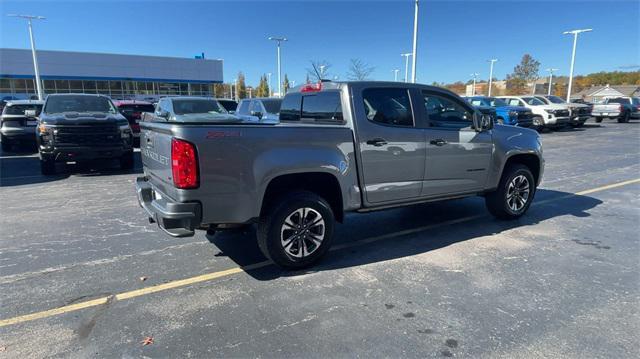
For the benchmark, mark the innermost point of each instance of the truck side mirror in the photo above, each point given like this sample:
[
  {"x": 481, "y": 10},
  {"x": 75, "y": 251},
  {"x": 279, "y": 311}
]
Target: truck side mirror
[
  {"x": 257, "y": 114},
  {"x": 482, "y": 122},
  {"x": 163, "y": 114}
]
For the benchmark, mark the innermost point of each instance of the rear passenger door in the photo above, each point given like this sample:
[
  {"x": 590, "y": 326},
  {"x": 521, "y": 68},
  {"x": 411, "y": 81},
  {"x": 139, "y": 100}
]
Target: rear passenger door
[
  {"x": 392, "y": 147},
  {"x": 458, "y": 157}
]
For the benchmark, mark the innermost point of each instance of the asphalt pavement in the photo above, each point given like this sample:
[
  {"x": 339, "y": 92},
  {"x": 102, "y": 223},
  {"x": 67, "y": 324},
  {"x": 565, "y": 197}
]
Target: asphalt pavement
[{"x": 83, "y": 273}]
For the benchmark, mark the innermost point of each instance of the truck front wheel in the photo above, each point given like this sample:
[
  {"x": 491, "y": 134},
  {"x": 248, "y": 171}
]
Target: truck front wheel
[
  {"x": 47, "y": 167},
  {"x": 598, "y": 119},
  {"x": 514, "y": 194},
  {"x": 297, "y": 230}
]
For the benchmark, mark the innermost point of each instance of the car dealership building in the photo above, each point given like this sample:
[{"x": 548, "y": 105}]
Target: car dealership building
[{"x": 118, "y": 76}]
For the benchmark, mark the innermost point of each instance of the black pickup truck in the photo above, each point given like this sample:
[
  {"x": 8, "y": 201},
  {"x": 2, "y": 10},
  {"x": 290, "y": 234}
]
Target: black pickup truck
[{"x": 81, "y": 128}]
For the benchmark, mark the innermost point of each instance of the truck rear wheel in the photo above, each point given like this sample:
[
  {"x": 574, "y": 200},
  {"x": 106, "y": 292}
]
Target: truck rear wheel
[
  {"x": 297, "y": 230},
  {"x": 624, "y": 118},
  {"x": 514, "y": 194}
]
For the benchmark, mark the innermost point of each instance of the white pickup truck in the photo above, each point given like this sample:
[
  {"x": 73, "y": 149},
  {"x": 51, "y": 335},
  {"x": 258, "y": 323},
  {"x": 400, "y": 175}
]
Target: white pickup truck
[{"x": 621, "y": 108}]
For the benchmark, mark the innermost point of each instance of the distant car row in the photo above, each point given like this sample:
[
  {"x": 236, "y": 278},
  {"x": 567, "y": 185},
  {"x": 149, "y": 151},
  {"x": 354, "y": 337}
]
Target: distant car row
[{"x": 82, "y": 127}]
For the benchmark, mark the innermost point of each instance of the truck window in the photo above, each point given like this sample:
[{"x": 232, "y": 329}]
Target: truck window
[
  {"x": 20, "y": 109},
  {"x": 322, "y": 107},
  {"x": 291, "y": 107},
  {"x": 243, "y": 107},
  {"x": 78, "y": 103},
  {"x": 389, "y": 106},
  {"x": 444, "y": 111},
  {"x": 618, "y": 100},
  {"x": 272, "y": 105}
]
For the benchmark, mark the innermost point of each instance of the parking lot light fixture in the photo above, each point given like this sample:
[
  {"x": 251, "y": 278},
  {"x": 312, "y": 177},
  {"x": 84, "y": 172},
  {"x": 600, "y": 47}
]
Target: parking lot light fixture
[
  {"x": 278, "y": 40},
  {"x": 492, "y": 61},
  {"x": 473, "y": 89},
  {"x": 406, "y": 66},
  {"x": 29, "y": 19},
  {"x": 269, "y": 84},
  {"x": 395, "y": 74},
  {"x": 550, "y": 80},
  {"x": 415, "y": 43},
  {"x": 573, "y": 57}
]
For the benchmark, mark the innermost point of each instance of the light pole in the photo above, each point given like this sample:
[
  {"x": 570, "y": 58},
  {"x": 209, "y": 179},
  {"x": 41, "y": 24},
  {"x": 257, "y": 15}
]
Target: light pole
[
  {"x": 33, "y": 49},
  {"x": 293, "y": 83},
  {"x": 573, "y": 56},
  {"x": 406, "y": 66},
  {"x": 550, "y": 80},
  {"x": 473, "y": 90},
  {"x": 492, "y": 61},
  {"x": 415, "y": 44},
  {"x": 249, "y": 91},
  {"x": 278, "y": 40},
  {"x": 269, "y": 83},
  {"x": 395, "y": 74}
]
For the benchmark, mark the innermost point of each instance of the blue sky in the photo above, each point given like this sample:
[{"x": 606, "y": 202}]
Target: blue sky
[{"x": 455, "y": 37}]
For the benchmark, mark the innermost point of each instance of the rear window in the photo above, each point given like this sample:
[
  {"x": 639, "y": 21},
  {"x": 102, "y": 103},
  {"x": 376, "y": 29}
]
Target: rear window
[
  {"x": 78, "y": 103},
  {"x": 315, "y": 107},
  {"x": 134, "y": 111},
  {"x": 228, "y": 105},
  {"x": 183, "y": 107},
  {"x": 20, "y": 109},
  {"x": 272, "y": 106},
  {"x": 618, "y": 100}
]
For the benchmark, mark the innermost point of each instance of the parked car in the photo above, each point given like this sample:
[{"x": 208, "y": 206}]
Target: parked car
[
  {"x": 132, "y": 110},
  {"x": 6, "y": 99},
  {"x": 552, "y": 116},
  {"x": 82, "y": 128},
  {"x": 338, "y": 148},
  {"x": 189, "y": 109},
  {"x": 18, "y": 122},
  {"x": 228, "y": 104},
  {"x": 505, "y": 114},
  {"x": 259, "y": 109},
  {"x": 579, "y": 113},
  {"x": 621, "y": 108}
]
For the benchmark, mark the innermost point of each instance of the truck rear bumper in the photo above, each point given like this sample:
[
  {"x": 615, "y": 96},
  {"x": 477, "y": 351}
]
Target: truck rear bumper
[{"x": 176, "y": 219}]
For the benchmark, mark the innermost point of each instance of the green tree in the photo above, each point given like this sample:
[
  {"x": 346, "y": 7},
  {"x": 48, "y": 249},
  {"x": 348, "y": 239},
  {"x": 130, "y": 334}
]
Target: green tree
[
  {"x": 240, "y": 86},
  {"x": 286, "y": 85},
  {"x": 359, "y": 70},
  {"x": 525, "y": 73}
]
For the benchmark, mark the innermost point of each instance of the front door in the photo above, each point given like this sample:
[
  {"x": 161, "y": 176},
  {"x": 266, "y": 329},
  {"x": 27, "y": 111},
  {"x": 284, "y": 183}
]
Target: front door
[
  {"x": 392, "y": 147},
  {"x": 458, "y": 156}
]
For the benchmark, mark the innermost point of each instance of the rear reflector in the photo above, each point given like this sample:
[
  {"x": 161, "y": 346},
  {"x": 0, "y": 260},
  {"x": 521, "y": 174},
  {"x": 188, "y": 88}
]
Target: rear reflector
[
  {"x": 311, "y": 87},
  {"x": 184, "y": 164}
]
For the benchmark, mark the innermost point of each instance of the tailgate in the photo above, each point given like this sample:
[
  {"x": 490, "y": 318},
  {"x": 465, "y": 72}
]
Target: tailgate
[
  {"x": 614, "y": 107},
  {"x": 155, "y": 150}
]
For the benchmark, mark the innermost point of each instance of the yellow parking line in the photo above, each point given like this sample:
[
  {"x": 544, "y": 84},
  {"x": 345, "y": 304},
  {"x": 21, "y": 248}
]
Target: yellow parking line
[{"x": 236, "y": 270}]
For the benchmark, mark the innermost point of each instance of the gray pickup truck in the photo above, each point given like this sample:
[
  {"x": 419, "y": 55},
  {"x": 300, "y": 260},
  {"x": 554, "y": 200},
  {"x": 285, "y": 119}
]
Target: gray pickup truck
[
  {"x": 621, "y": 108},
  {"x": 338, "y": 148}
]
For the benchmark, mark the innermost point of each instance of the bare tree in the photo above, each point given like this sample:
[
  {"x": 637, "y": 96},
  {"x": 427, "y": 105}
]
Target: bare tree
[
  {"x": 319, "y": 70},
  {"x": 359, "y": 70}
]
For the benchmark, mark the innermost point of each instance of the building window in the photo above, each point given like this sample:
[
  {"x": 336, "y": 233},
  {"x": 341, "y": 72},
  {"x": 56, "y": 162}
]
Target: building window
[
  {"x": 5, "y": 86},
  {"x": 76, "y": 86},
  {"x": 62, "y": 86}
]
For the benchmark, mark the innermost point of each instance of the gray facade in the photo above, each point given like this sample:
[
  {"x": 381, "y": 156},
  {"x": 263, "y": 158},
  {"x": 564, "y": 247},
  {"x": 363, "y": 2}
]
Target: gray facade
[{"x": 119, "y": 76}]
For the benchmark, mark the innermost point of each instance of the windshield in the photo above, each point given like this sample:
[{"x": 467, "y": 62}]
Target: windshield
[
  {"x": 555, "y": 99},
  {"x": 497, "y": 102},
  {"x": 20, "y": 109},
  {"x": 533, "y": 101},
  {"x": 78, "y": 103},
  {"x": 272, "y": 106},
  {"x": 134, "y": 111},
  {"x": 191, "y": 106}
]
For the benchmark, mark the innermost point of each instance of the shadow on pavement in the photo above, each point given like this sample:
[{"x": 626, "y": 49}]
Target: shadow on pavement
[
  {"x": 17, "y": 169},
  {"x": 403, "y": 232}
]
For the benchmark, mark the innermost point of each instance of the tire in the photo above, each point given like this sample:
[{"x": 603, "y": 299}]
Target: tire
[
  {"x": 598, "y": 119},
  {"x": 6, "y": 144},
  {"x": 274, "y": 230},
  {"x": 500, "y": 205},
  {"x": 47, "y": 167},
  {"x": 625, "y": 118},
  {"x": 126, "y": 161}
]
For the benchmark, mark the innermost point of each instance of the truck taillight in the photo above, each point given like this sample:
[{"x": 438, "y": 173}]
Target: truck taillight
[
  {"x": 312, "y": 87},
  {"x": 184, "y": 164}
]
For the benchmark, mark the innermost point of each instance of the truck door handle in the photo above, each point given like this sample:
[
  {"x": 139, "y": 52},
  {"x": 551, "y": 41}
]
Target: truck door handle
[
  {"x": 438, "y": 142},
  {"x": 377, "y": 142}
]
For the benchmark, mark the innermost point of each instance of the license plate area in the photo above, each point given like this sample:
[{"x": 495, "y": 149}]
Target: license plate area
[{"x": 32, "y": 123}]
